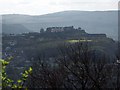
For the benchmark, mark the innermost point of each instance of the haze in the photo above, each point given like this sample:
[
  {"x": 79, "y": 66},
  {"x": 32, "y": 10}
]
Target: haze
[{"x": 39, "y": 7}]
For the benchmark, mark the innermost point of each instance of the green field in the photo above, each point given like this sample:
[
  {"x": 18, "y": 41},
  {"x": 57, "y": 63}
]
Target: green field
[{"x": 74, "y": 41}]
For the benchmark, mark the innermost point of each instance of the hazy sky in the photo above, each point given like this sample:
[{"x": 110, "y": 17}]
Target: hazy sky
[{"x": 38, "y": 7}]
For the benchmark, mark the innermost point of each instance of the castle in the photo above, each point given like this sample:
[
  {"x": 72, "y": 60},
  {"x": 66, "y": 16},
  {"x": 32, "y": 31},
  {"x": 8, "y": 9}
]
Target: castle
[{"x": 59, "y": 29}]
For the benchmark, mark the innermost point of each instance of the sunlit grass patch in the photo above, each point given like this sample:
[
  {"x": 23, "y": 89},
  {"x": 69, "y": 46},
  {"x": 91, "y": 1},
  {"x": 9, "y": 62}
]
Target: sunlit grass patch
[{"x": 74, "y": 41}]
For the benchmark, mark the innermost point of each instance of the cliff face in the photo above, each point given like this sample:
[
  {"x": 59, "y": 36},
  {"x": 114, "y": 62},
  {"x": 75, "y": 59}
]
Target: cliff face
[
  {"x": 78, "y": 32},
  {"x": 96, "y": 35}
]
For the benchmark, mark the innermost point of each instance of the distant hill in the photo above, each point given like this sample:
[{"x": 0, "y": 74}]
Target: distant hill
[
  {"x": 13, "y": 28},
  {"x": 92, "y": 21}
]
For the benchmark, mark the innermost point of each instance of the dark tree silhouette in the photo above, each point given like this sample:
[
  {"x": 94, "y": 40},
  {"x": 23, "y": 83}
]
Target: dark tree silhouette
[{"x": 78, "y": 67}]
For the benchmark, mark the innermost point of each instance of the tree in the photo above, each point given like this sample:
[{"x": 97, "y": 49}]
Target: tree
[
  {"x": 45, "y": 76},
  {"x": 87, "y": 70},
  {"x": 78, "y": 67},
  {"x": 9, "y": 83}
]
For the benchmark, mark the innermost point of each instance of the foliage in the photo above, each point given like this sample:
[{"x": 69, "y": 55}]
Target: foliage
[
  {"x": 9, "y": 83},
  {"x": 77, "y": 67}
]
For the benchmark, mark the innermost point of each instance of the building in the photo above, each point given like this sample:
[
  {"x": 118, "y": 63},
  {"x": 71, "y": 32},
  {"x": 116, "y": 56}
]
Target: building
[{"x": 59, "y": 29}]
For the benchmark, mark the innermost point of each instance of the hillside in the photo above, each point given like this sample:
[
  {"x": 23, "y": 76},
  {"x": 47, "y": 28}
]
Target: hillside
[
  {"x": 91, "y": 21},
  {"x": 28, "y": 47},
  {"x": 14, "y": 28}
]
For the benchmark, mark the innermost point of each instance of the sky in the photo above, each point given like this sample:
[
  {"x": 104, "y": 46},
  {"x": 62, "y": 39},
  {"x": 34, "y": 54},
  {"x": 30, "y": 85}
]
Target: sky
[{"x": 39, "y": 7}]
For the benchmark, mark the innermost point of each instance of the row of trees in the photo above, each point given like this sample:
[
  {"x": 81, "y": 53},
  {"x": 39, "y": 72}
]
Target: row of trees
[{"x": 78, "y": 66}]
